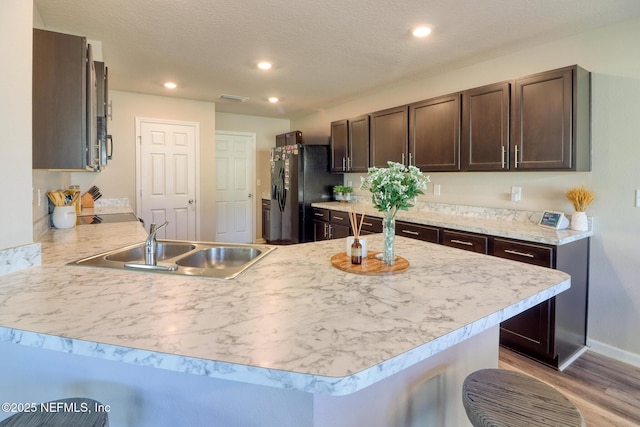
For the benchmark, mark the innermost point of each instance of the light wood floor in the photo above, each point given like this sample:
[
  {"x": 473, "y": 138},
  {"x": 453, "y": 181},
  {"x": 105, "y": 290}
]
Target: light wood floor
[{"x": 606, "y": 391}]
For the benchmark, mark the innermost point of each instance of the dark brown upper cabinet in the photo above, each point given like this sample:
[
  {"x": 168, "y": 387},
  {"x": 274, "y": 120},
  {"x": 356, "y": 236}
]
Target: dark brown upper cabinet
[
  {"x": 551, "y": 121},
  {"x": 434, "y": 142},
  {"x": 359, "y": 144},
  {"x": 485, "y": 128},
  {"x": 60, "y": 110},
  {"x": 389, "y": 136},
  {"x": 350, "y": 145},
  {"x": 339, "y": 145}
]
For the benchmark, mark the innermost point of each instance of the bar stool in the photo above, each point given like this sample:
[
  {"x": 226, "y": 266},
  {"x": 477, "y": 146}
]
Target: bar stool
[
  {"x": 73, "y": 412},
  {"x": 499, "y": 397}
]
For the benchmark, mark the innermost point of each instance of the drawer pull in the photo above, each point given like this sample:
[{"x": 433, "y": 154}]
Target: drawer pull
[
  {"x": 461, "y": 242},
  {"x": 339, "y": 218},
  {"x": 415, "y": 233},
  {"x": 511, "y": 251},
  {"x": 318, "y": 214},
  {"x": 368, "y": 224}
]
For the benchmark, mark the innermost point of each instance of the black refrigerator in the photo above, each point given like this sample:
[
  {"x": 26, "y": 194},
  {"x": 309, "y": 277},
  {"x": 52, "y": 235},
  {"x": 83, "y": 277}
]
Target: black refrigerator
[{"x": 299, "y": 176}]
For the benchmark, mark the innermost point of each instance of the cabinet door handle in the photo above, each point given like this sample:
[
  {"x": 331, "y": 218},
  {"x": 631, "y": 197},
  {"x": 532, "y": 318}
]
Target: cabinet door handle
[
  {"x": 402, "y": 159},
  {"x": 502, "y": 157},
  {"x": 511, "y": 251},
  {"x": 344, "y": 161},
  {"x": 415, "y": 233},
  {"x": 516, "y": 157},
  {"x": 326, "y": 230},
  {"x": 330, "y": 231},
  {"x": 410, "y": 158},
  {"x": 461, "y": 242},
  {"x": 339, "y": 218},
  {"x": 349, "y": 163}
]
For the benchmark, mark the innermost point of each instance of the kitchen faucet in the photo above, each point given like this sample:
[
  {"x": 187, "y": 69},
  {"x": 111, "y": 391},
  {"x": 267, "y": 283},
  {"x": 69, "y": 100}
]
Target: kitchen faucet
[{"x": 151, "y": 244}]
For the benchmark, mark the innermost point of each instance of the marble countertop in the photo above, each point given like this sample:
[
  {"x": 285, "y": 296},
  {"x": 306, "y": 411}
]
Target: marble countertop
[
  {"x": 509, "y": 223},
  {"x": 282, "y": 323}
]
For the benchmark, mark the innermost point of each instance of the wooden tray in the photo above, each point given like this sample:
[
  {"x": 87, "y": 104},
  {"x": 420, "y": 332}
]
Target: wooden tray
[{"x": 371, "y": 265}]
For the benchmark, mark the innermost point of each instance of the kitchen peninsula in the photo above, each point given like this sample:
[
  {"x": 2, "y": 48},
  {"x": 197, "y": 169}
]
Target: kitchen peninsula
[{"x": 292, "y": 341}]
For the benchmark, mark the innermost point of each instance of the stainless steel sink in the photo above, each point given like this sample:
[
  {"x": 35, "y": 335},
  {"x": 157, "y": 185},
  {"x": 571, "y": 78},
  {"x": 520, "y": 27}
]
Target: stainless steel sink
[
  {"x": 206, "y": 259},
  {"x": 219, "y": 257},
  {"x": 165, "y": 251}
]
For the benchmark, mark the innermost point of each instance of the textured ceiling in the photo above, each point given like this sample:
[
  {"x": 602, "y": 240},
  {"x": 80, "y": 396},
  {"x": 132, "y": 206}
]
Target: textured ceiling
[{"x": 324, "y": 52}]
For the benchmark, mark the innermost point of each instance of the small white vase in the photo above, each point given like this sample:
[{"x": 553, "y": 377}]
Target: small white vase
[
  {"x": 579, "y": 221},
  {"x": 64, "y": 216}
]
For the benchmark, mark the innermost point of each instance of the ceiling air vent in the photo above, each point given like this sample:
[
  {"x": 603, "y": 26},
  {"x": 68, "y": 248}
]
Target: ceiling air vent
[{"x": 234, "y": 98}]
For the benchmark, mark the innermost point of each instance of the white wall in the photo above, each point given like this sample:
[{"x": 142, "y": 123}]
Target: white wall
[
  {"x": 119, "y": 179},
  {"x": 611, "y": 54},
  {"x": 266, "y": 130},
  {"x": 16, "y": 38}
]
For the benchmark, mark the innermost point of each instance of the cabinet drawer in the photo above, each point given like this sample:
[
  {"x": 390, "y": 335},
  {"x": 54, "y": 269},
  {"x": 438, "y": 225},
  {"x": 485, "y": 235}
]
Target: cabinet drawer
[
  {"x": 467, "y": 241},
  {"x": 417, "y": 231},
  {"x": 340, "y": 218},
  {"x": 524, "y": 252},
  {"x": 320, "y": 214},
  {"x": 372, "y": 224}
]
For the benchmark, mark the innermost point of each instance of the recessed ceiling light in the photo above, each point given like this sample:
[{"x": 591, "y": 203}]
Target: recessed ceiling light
[
  {"x": 264, "y": 65},
  {"x": 422, "y": 31},
  {"x": 273, "y": 100},
  {"x": 170, "y": 85}
]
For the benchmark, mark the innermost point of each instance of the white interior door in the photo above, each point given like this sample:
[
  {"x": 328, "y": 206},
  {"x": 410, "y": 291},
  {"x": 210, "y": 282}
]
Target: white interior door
[
  {"x": 167, "y": 176},
  {"x": 235, "y": 175}
]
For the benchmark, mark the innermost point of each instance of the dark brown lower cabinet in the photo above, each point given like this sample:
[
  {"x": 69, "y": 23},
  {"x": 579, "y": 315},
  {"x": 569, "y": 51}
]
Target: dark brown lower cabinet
[
  {"x": 418, "y": 231},
  {"x": 555, "y": 330},
  {"x": 466, "y": 241},
  {"x": 340, "y": 225},
  {"x": 370, "y": 225},
  {"x": 330, "y": 224},
  {"x": 266, "y": 219}
]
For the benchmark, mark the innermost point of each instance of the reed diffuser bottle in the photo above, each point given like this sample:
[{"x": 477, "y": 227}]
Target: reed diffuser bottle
[
  {"x": 356, "y": 246},
  {"x": 356, "y": 251}
]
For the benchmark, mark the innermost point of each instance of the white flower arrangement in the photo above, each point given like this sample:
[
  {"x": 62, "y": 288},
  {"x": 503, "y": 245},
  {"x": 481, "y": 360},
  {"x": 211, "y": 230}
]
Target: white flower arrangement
[{"x": 393, "y": 188}]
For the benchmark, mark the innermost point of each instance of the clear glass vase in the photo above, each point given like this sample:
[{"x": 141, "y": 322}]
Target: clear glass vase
[{"x": 389, "y": 237}]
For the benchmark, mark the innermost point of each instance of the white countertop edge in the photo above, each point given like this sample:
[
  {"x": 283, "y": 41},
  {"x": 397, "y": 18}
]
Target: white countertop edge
[{"x": 315, "y": 384}]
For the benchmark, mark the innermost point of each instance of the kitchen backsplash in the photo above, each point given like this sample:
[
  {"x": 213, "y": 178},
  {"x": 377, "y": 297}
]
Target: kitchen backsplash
[{"x": 468, "y": 211}]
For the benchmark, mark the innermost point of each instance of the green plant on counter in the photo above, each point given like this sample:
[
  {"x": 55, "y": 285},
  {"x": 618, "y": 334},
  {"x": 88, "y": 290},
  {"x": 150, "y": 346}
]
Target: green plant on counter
[{"x": 342, "y": 189}]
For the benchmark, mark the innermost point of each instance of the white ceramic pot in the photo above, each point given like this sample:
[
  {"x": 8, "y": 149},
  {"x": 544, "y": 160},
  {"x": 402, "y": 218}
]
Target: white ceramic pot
[
  {"x": 579, "y": 221},
  {"x": 64, "y": 216}
]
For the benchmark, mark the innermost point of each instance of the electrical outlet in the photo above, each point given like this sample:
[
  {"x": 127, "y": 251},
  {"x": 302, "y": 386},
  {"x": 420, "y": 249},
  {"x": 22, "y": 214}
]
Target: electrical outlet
[
  {"x": 516, "y": 194},
  {"x": 436, "y": 189}
]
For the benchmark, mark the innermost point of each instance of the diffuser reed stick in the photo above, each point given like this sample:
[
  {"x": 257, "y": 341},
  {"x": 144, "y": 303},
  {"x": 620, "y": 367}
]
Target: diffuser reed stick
[{"x": 355, "y": 226}]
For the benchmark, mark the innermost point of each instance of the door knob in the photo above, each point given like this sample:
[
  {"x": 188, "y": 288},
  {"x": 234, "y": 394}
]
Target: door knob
[
  {"x": 191, "y": 201},
  {"x": 250, "y": 195}
]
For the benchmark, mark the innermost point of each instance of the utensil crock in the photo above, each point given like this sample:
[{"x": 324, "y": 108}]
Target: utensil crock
[{"x": 64, "y": 216}]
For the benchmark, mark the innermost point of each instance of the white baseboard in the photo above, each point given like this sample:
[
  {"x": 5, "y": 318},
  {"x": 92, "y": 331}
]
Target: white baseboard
[{"x": 614, "y": 352}]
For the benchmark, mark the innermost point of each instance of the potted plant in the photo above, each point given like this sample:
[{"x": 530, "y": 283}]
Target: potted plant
[
  {"x": 342, "y": 193},
  {"x": 580, "y": 198}
]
